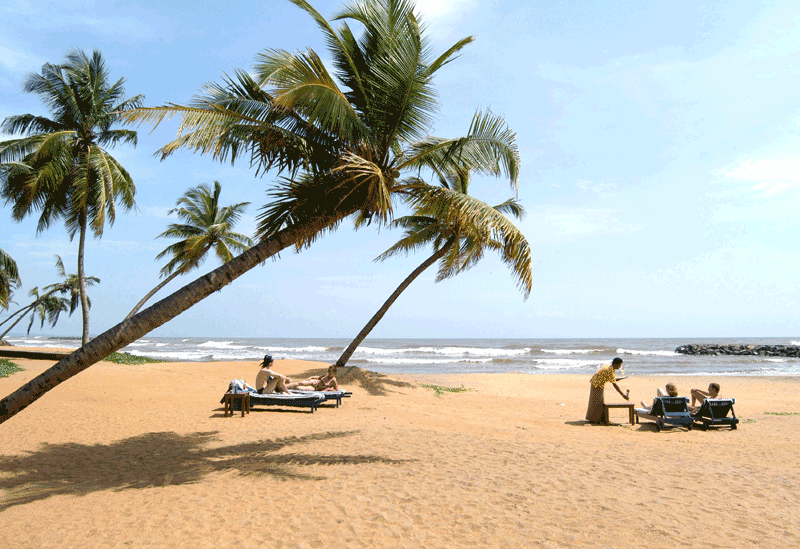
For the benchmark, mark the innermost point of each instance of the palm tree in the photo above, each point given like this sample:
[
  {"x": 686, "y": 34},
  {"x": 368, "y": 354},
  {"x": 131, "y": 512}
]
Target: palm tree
[
  {"x": 9, "y": 278},
  {"x": 458, "y": 243},
  {"x": 48, "y": 305},
  {"x": 343, "y": 149},
  {"x": 206, "y": 226},
  {"x": 60, "y": 167}
]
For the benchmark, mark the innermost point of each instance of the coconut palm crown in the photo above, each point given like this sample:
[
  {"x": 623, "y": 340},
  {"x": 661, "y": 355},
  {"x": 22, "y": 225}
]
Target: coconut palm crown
[
  {"x": 206, "y": 226},
  {"x": 9, "y": 278},
  {"x": 49, "y": 306},
  {"x": 345, "y": 137},
  {"x": 60, "y": 168},
  {"x": 460, "y": 233}
]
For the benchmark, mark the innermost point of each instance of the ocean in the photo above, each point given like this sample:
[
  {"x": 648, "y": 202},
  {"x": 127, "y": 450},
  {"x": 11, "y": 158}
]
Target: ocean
[{"x": 642, "y": 356}]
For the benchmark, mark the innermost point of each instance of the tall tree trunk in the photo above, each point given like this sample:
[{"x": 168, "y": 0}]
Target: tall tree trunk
[
  {"x": 18, "y": 311},
  {"x": 392, "y": 298},
  {"x": 154, "y": 316},
  {"x": 82, "y": 281},
  {"x": 152, "y": 292},
  {"x": 26, "y": 309}
]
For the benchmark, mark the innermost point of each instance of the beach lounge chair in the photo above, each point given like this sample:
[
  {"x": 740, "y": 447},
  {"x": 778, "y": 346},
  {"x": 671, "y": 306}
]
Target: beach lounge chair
[
  {"x": 302, "y": 399},
  {"x": 714, "y": 413},
  {"x": 667, "y": 411}
]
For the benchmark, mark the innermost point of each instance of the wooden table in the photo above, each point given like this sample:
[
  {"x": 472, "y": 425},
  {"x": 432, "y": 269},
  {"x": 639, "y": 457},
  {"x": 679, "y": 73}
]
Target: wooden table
[
  {"x": 242, "y": 398},
  {"x": 606, "y": 408}
]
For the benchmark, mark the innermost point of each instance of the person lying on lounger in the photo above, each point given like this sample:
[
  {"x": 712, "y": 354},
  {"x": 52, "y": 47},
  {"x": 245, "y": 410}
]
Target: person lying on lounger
[
  {"x": 317, "y": 383},
  {"x": 700, "y": 395},
  {"x": 668, "y": 390},
  {"x": 270, "y": 381}
]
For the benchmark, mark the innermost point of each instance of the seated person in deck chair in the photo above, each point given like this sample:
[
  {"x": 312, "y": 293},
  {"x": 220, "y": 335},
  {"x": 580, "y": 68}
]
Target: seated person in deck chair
[
  {"x": 270, "y": 381},
  {"x": 317, "y": 383},
  {"x": 699, "y": 395},
  {"x": 668, "y": 390}
]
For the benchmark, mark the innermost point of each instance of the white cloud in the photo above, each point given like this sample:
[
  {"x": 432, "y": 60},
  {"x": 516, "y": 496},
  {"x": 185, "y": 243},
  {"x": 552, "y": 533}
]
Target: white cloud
[
  {"x": 768, "y": 177},
  {"x": 556, "y": 224},
  {"x": 438, "y": 10},
  {"x": 603, "y": 189}
]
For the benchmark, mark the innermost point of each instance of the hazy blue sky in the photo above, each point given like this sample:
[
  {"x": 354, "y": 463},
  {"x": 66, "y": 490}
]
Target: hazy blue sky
[{"x": 660, "y": 146}]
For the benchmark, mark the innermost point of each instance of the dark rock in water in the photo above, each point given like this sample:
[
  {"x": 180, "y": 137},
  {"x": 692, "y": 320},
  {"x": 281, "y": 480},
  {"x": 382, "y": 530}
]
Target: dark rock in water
[
  {"x": 754, "y": 350},
  {"x": 4, "y": 343}
]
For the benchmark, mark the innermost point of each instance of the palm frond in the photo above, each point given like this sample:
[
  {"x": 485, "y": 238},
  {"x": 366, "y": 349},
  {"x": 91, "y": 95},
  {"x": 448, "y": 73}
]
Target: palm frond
[{"x": 489, "y": 148}]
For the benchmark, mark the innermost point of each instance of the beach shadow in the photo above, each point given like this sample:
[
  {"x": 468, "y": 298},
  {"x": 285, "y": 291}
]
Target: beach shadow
[
  {"x": 374, "y": 383},
  {"x": 157, "y": 459}
]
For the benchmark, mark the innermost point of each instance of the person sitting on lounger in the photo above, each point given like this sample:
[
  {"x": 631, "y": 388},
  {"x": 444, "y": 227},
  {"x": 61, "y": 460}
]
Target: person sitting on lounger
[
  {"x": 668, "y": 390},
  {"x": 270, "y": 381},
  {"x": 317, "y": 383},
  {"x": 699, "y": 396}
]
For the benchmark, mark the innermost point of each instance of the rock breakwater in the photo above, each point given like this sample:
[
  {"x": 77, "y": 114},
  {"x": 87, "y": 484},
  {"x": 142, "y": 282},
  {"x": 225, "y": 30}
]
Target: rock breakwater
[{"x": 742, "y": 349}]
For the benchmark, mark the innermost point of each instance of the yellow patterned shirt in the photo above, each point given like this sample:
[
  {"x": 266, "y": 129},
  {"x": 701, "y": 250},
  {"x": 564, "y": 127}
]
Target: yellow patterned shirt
[{"x": 603, "y": 376}]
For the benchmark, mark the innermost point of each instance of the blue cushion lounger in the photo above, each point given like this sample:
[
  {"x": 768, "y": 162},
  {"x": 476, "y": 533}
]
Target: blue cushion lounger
[
  {"x": 303, "y": 399},
  {"x": 714, "y": 413},
  {"x": 667, "y": 411}
]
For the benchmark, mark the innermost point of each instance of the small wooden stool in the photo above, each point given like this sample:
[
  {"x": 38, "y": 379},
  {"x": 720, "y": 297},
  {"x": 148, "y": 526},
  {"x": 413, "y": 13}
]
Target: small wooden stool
[
  {"x": 628, "y": 406},
  {"x": 242, "y": 398}
]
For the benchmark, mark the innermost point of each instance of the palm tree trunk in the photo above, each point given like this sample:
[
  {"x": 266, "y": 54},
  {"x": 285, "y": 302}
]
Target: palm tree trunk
[
  {"x": 152, "y": 292},
  {"x": 161, "y": 312},
  {"x": 15, "y": 313},
  {"x": 26, "y": 309},
  {"x": 82, "y": 281},
  {"x": 392, "y": 298}
]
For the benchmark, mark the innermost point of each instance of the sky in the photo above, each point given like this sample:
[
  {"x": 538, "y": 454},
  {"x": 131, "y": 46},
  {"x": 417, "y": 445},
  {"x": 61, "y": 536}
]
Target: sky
[{"x": 660, "y": 169}]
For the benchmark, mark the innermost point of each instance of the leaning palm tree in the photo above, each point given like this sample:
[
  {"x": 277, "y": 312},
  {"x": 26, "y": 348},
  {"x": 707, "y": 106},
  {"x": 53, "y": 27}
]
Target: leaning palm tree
[
  {"x": 48, "y": 305},
  {"x": 348, "y": 143},
  {"x": 459, "y": 241},
  {"x": 9, "y": 278},
  {"x": 206, "y": 226},
  {"x": 60, "y": 167}
]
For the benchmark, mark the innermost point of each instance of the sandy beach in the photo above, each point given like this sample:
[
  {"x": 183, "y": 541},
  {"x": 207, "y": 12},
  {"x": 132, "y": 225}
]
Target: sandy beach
[{"x": 141, "y": 456}]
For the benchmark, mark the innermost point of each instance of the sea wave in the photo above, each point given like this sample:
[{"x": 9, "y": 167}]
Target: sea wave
[
  {"x": 221, "y": 345},
  {"x": 419, "y": 361},
  {"x": 572, "y": 351},
  {"x": 445, "y": 351},
  {"x": 647, "y": 353},
  {"x": 307, "y": 349},
  {"x": 566, "y": 363}
]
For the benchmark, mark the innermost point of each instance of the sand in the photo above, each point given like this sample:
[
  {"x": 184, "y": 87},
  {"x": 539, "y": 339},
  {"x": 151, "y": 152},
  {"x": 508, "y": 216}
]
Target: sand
[{"x": 141, "y": 456}]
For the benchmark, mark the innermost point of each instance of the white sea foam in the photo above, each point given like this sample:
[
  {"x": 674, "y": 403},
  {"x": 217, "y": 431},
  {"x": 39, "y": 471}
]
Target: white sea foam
[
  {"x": 572, "y": 351},
  {"x": 566, "y": 363},
  {"x": 446, "y": 351},
  {"x": 307, "y": 349},
  {"x": 795, "y": 343},
  {"x": 418, "y": 361},
  {"x": 648, "y": 353},
  {"x": 221, "y": 345}
]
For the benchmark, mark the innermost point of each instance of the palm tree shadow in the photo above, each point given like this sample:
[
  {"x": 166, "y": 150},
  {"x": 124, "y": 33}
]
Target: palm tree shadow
[
  {"x": 156, "y": 459},
  {"x": 374, "y": 383}
]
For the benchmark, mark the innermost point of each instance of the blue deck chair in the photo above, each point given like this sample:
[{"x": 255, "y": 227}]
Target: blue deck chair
[
  {"x": 667, "y": 412},
  {"x": 714, "y": 413}
]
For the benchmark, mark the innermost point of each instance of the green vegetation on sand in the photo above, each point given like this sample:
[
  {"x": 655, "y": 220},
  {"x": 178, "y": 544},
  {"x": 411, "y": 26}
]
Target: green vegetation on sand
[
  {"x": 7, "y": 367},
  {"x": 125, "y": 358},
  {"x": 438, "y": 389}
]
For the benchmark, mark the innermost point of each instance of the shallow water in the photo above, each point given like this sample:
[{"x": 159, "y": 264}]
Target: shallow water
[{"x": 642, "y": 356}]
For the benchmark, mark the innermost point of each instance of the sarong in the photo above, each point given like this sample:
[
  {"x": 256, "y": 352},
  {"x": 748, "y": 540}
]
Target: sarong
[{"x": 594, "y": 413}]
